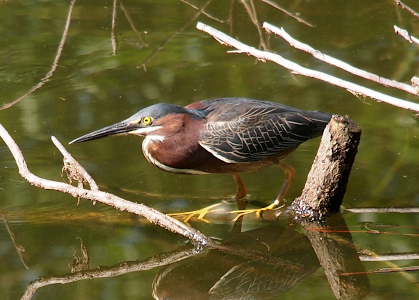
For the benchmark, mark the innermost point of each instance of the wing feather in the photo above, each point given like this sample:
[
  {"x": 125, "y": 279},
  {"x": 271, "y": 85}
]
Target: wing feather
[{"x": 261, "y": 132}]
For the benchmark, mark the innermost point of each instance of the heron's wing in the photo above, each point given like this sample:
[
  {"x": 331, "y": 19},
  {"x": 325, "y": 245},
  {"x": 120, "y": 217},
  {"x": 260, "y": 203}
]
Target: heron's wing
[{"x": 260, "y": 133}]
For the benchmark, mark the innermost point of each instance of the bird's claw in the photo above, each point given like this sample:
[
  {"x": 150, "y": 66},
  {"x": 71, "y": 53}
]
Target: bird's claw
[
  {"x": 201, "y": 213},
  {"x": 258, "y": 211}
]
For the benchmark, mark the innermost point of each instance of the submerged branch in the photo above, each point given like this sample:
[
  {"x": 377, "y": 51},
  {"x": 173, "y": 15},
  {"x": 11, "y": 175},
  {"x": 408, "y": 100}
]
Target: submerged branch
[
  {"x": 54, "y": 64},
  {"x": 20, "y": 250}
]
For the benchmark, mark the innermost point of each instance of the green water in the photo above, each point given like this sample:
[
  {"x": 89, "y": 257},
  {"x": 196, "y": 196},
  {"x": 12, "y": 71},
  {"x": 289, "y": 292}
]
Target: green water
[{"x": 92, "y": 88}]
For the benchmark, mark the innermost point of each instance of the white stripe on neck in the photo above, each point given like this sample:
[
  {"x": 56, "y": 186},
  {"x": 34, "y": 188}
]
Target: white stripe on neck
[{"x": 151, "y": 159}]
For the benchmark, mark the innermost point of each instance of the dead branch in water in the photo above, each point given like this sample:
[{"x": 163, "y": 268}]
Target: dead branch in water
[{"x": 150, "y": 214}]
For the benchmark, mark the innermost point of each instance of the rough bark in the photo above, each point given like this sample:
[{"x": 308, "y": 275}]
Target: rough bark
[{"x": 326, "y": 183}]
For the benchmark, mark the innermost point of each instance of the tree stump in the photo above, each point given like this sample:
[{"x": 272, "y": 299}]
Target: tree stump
[{"x": 327, "y": 180}]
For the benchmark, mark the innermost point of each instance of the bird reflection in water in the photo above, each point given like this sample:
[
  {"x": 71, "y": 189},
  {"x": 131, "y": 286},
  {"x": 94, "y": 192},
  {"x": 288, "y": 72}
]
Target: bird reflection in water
[{"x": 285, "y": 257}]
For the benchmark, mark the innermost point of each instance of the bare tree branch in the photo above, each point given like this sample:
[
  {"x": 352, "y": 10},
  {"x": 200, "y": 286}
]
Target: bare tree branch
[
  {"x": 404, "y": 6},
  {"x": 263, "y": 56},
  {"x": 250, "y": 8},
  {"x": 150, "y": 214},
  {"x": 54, "y": 64},
  {"x": 168, "y": 40},
  {"x": 337, "y": 63},
  {"x": 114, "y": 39},
  {"x": 405, "y": 34},
  {"x": 292, "y": 15},
  {"x": 203, "y": 12},
  {"x": 131, "y": 23}
]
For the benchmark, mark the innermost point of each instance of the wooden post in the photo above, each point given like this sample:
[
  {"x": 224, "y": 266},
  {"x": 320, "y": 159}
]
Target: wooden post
[{"x": 326, "y": 183}]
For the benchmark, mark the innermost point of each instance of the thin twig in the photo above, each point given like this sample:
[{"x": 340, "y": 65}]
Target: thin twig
[
  {"x": 150, "y": 214},
  {"x": 131, "y": 23},
  {"x": 384, "y": 210},
  {"x": 405, "y": 34},
  {"x": 54, "y": 64},
  {"x": 292, "y": 15},
  {"x": 338, "y": 63},
  {"x": 263, "y": 56},
  {"x": 21, "y": 251},
  {"x": 388, "y": 257},
  {"x": 384, "y": 271},
  {"x": 251, "y": 11},
  {"x": 113, "y": 29},
  {"x": 230, "y": 18},
  {"x": 167, "y": 41},
  {"x": 68, "y": 159},
  {"x": 404, "y": 6},
  {"x": 203, "y": 12}
]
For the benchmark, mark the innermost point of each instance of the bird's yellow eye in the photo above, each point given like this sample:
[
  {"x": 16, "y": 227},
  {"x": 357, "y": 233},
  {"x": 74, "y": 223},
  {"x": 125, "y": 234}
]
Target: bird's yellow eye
[{"x": 146, "y": 120}]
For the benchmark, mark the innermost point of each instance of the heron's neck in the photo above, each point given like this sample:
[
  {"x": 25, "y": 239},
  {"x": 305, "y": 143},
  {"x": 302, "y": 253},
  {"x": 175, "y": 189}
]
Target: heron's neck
[
  {"x": 164, "y": 152},
  {"x": 146, "y": 146}
]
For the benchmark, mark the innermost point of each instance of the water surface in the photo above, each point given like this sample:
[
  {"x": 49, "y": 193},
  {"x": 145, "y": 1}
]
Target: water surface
[{"x": 92, "y": 88}]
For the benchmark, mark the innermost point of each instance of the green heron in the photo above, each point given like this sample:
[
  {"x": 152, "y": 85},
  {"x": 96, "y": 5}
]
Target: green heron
[{"x": 224, "y": 135}]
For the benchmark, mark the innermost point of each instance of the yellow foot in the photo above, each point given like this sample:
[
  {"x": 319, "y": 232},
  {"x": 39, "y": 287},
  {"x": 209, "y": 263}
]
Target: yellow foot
[
  {"x": 201, "y": 213},
  {"x": 258, "y": 211}
]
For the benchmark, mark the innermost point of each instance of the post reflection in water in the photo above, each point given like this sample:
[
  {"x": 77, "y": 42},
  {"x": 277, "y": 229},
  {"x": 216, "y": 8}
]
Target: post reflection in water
[
  {"x": 286, "y": 258},
  {"x": 332, "y": 242}
]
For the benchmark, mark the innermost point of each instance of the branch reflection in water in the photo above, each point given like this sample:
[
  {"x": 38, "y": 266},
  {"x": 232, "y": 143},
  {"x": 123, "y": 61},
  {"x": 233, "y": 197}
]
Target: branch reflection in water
[{"x": 262, "y": 263}]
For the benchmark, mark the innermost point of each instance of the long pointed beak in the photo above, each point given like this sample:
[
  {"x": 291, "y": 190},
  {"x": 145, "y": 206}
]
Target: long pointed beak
[{"x": 121, "y": 128}]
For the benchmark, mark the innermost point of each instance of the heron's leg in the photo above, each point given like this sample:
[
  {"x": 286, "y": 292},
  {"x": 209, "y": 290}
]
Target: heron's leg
[
  {"x": 289, "y": 179},
  {"x": 241, "y": 189}
]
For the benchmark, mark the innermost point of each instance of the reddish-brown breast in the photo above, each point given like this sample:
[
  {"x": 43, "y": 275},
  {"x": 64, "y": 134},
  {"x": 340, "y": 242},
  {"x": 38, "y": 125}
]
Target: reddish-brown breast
[{"x": 179, "y": 149}]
